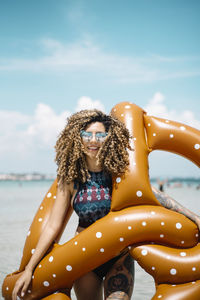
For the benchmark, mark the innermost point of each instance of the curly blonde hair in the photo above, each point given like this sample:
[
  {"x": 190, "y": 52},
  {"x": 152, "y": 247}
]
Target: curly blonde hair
[{"x": 70, "y": 157}]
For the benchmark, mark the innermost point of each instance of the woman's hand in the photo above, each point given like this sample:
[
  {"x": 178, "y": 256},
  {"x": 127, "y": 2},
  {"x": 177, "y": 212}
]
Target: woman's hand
[{"x": 22, "y": 284}]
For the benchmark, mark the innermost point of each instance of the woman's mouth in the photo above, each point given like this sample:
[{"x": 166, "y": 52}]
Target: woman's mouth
[{"x": 93, "y": 148}]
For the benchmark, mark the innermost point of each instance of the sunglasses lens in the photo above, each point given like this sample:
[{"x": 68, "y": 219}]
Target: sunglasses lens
[{"x": 100, "y": 136}]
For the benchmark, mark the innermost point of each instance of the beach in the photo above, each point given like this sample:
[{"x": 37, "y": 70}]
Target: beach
[{"x": 19, "y": 203}]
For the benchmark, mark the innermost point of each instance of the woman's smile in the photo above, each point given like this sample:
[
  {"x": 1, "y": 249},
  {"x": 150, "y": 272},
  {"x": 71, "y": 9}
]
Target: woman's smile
[{"x": 93, "y": 148}]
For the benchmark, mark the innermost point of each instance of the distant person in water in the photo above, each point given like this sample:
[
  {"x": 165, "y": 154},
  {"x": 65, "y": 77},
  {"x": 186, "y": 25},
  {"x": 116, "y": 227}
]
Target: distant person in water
[
  {"x": 161, "y": 184},
  {"x": 198, "y": 187}
]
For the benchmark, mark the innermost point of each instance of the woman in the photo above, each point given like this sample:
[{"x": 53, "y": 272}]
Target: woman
[{"x": 90, "y": 150}]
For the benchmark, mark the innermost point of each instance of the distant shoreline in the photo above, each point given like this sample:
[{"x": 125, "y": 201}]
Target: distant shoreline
[
  {"x": 51, "y": 177},
  {"x": 27, "y": 177}
]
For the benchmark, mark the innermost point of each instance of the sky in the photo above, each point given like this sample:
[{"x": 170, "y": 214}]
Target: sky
[{"x": 57, "y": 57}]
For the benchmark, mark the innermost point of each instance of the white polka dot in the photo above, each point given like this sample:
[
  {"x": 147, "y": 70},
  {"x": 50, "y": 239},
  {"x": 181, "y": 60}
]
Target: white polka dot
[
  {"x": 76, "y": 243},
  {"x": 121, "y": 239},
  {"x": 159, "y": 296},
  {"x": 144, "y": 223},
  {"x": 196, "y": 234},
  {"x": 83, "y": 249},
  {"x": 127, "y": 106},
  {"x": 40, "y": 219},
  {"x": 98, "y": 235},
  {"x": 153, "y": 268},
  {"x": 102, "y": 250},
  {"x": 29, "y": 291},
  {"x": 7, "y": 288},
  {"x": 33, "y": 277},
  {"x": 144, "y": 252},
  {"x": 139, "y": 193},
  {"x": 173, "y": 284},
  {"x": 129, "y": 227},
  {"x": 173, "y": 271},
  {"x": 29, "y": 232},
  {"x": 32, "y": 251},
  {"x": 129, "y": 247},
  {"x": 68, "y": 268},
  {"x": 134, "y": 139},
  {"x": 54, "y": 275},
  {"x": 46, "y": 283},
  {"x": 162, "y": 223},
  {"x": 153, "y": 212},
  {"x": 122, "y": 115},
  {"x": 182, "y": 254},
  {"x": 193, "y": 269},
  {"x": 193, "y": 282},
  {"x": 54, "y": 197},
  {"x": 41, "y": 207},
  {"x": 154, "y": 134},
  {"x": 48, "y": 195},
  {"x": 197, "y": 146},
  {"x": 51, "y": 258},
  {"x": 116, "y": 219},
  {"x": 40, "y": 266},
  {"x": 118, "y": 179},
  {"x": 178, "y": 225},
  {"x": 162, "y": 235},
  {"x": 182, "y": 242},
  {"x": 171, "y": 136},
  {"x": 182, "y": 128},
  {"x": 149, "y": 124}
]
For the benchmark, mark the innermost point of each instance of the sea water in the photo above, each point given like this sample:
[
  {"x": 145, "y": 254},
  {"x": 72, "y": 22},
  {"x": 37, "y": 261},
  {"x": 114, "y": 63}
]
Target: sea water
[{"x": 19, "y": 202}]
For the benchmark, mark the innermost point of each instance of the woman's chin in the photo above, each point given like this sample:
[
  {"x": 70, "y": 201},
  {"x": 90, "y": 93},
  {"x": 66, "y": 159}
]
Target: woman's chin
[{"x": 91, "y": 154}]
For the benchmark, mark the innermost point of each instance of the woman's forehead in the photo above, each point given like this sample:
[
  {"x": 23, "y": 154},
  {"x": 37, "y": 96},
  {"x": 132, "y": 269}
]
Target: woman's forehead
[{"x": 95, "y": 126}]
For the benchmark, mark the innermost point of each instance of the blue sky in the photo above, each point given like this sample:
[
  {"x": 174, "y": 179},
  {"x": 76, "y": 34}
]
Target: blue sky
[{"x": 60, "y": 56}]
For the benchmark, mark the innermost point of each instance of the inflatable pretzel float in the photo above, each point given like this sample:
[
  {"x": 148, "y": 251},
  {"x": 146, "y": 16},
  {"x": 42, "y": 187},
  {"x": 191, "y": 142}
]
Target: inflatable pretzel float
[{"x": 163, "y": 242}]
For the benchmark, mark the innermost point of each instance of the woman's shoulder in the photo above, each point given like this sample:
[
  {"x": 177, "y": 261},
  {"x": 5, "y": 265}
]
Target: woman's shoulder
[{"x": 66, "y": 187}]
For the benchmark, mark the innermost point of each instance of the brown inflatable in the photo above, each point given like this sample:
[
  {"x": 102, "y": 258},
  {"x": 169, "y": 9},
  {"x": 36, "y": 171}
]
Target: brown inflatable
[{"x": 163, "y": 242}]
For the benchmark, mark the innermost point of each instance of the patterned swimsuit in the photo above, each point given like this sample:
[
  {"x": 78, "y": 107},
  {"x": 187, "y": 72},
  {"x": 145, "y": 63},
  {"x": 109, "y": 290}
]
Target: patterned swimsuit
[
  {"x": 93, "y": 198},
  {"x": 92, "y": 202}
]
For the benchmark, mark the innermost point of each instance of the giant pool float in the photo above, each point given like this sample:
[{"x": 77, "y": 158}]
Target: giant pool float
[{"x": 163, "y": 242}]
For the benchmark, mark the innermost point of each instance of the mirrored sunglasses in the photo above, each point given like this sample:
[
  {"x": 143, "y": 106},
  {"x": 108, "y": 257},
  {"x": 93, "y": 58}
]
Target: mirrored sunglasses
[{"x": 99, "y": 136}]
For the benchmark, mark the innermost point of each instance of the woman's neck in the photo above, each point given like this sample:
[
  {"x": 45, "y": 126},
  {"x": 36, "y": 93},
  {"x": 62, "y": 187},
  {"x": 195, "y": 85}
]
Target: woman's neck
[{"x": 92, "y": 165}]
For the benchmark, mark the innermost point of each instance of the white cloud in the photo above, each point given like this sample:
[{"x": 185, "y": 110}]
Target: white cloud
[
  {"x": 157, "y": 107},
  {"x": 29, "y": 138},
  {"x": 25, "y": 132},
  {"x": 12, "y": 132},
  {"x": 27, "y": 141},
  {"x": 88, "y": 103},
  {"x": 46, "y": 125},
  {"x": 85, "y": 56}
]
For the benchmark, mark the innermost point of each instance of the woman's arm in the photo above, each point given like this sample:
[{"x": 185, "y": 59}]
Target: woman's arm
[
  {"x": 172, "y": 204},
  {"x": 48, "y": 235}
]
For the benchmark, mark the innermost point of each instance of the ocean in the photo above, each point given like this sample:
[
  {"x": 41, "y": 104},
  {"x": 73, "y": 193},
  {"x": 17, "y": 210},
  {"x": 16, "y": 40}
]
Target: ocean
[{"x": 19, "y": 202}]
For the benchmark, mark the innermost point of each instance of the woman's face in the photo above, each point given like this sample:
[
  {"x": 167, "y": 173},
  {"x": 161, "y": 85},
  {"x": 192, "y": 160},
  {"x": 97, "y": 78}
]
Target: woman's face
[{"x": 92, "y": 138}]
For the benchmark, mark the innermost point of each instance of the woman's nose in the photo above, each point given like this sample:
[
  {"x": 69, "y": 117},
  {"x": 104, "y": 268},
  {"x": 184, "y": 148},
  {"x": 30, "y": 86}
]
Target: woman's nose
[{"x": 94, "y": 139}]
